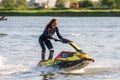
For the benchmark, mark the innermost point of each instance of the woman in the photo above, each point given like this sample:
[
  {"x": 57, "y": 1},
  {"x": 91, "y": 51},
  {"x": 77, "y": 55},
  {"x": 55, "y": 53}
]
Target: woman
[{"x": 45, "y": 37}]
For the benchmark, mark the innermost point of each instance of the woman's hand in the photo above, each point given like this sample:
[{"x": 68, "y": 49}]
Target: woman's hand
[
  {"x": 55, "y": 39},
  {"x": 65, "y": 40}
]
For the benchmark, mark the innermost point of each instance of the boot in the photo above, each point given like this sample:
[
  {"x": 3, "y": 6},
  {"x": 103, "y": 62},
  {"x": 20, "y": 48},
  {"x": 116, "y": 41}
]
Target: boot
[
  {"x": 43, "y": 56},
  {"x": 51, "y": 54}
]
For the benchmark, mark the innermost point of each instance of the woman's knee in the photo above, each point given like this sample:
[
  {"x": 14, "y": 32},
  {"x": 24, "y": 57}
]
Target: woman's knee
[{"x": 51, "y": 51}]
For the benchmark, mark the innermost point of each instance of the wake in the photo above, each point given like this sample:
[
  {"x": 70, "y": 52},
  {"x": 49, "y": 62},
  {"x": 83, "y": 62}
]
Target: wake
[
  {"x": 7, "y": 69},
  {"x": 93, "y": 71},
  {"x": 10, "y": 69}
]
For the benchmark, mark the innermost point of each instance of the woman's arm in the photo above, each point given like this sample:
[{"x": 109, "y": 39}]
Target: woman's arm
[{"x": 58, "y": 34}]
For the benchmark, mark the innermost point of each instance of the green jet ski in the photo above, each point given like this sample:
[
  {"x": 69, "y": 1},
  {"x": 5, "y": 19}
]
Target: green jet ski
[
  {"x": 69, "y": 60},
  {"x": 3, "y": 18}
]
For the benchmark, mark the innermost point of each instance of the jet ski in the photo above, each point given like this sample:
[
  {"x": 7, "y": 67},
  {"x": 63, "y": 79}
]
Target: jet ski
[
  {"x": 68, "y": 60},
  {"x": 3, "y": 18}
]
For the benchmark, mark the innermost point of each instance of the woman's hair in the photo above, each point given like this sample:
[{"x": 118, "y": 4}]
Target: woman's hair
[{"x": 50, "y": 23}]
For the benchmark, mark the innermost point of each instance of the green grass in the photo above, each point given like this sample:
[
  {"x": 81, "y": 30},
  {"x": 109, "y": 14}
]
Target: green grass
[{"x": 60, "y": 12}]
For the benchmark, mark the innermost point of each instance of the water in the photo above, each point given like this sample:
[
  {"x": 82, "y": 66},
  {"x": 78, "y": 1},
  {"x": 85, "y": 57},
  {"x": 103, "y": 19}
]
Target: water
[{"x": 97, "y": 36}]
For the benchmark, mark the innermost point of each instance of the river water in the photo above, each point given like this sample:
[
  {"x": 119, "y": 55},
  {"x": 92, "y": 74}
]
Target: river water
[{"x": 97, "y": 36}]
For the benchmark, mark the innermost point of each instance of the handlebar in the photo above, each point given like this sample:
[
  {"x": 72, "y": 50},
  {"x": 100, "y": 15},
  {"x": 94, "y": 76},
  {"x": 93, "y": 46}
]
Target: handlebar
[{"x": 64, "y": 40}]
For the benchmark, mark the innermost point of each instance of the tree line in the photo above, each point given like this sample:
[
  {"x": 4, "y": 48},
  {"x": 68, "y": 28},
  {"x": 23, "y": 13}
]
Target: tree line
[
  {"x": 14, "y": 4},
  {"x": 91, "y": 4},
  {"x": 23, "y": 4}
]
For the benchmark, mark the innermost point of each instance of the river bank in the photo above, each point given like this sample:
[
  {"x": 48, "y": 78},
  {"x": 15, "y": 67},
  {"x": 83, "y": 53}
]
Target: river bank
[{"x": 62, "y": 13}]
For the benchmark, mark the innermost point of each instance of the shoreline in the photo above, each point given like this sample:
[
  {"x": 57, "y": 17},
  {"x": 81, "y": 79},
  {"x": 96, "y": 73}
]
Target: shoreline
[{"x": 62, "y": 13}]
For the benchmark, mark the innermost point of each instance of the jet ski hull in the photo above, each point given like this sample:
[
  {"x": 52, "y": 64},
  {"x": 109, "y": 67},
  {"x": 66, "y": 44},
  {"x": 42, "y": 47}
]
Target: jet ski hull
[{"x": 67, "y": 65}]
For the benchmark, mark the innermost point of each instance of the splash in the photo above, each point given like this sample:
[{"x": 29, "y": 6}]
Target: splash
[
  {"x": 77, "y": 71},
  {"x": 7, "y": 69},
  {"x": 80, "y": 71},
  {"x": 2, "y": 61}
]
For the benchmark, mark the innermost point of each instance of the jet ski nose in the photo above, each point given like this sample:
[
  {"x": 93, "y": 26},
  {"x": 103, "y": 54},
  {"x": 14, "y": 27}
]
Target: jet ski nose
[
  {"x": 89, "y": 59},
  {"x": 92, "y": 60}
]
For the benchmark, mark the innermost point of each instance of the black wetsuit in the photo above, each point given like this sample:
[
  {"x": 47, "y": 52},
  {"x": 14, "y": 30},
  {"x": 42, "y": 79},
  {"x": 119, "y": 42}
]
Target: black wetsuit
[{"x": 44, "y": 39}]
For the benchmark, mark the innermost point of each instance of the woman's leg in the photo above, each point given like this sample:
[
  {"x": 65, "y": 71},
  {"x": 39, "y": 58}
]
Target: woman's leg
[
  {"x": 41, "y": 42},
  {"x": 50, "y": 47}
]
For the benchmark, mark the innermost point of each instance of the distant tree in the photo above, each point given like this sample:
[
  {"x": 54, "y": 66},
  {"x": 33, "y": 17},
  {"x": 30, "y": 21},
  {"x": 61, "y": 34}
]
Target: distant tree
[
  {"x": 21, "y": 4},
  {"x": 60, "y": 3},
  {"x": 9, "y": 4},
  {"x": 86, "y": 3},
  {"x": 72, "y": 1},
  {"x": 108, "y": 3},
  {"x": 117, "y": 2},
  {"x": 0, "y": 4}
]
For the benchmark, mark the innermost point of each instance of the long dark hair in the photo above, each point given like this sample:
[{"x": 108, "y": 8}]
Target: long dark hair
[{"x": 50, "y": 23}]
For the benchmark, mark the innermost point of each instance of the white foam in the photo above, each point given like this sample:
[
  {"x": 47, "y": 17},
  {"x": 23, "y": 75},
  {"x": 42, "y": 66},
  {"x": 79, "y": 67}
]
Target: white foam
[
  {"x": 75, "y": 34},
  {"x": 6, "y": 69},
  {"x": 2, "y": 60},
  {"x": 78, "y": 71},
  {"x": 81, "y": 71},
  {"x": 10, "y": 69}
]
